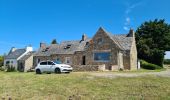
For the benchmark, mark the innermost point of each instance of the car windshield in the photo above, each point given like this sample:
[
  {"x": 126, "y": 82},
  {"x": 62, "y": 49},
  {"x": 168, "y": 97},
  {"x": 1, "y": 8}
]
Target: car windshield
[{"x": 58, "y": 62}]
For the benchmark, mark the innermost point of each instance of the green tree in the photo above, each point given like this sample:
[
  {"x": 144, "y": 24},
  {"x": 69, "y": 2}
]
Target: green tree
[
  {"x": 54, "y": 41},
  {"x": 1, "y": 60},
  {"x": 153, "y": 39}
]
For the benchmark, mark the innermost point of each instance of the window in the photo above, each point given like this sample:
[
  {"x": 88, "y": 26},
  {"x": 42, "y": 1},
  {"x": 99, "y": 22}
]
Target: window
[
  {"x": 43, "y": 63},
  {"x": 68, "y": 60},
  {"x": 38, "y": 60},
  {"x": 102, "y": 56},
  {"x": 68, "y": 46},
  {"x": 50, "y": 63},
  {"x": 7, "y": 63},
  {"x": 100, "y": 41}
]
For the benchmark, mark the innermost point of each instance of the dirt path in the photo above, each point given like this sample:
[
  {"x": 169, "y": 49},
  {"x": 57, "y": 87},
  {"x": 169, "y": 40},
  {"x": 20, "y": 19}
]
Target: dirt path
[{"x": 115, "y": 75}]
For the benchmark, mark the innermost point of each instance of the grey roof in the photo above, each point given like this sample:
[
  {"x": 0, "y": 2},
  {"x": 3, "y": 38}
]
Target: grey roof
[
  {"x": 66, "y": 47},
  {"x": 25, "y": 57},
  {"x": 14, "y": 55},
  {"x": 124, "y": 41}
]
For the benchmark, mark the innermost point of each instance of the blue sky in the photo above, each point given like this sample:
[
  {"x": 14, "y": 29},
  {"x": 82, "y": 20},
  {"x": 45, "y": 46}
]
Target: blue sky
[{"x": 24, "y": 22}]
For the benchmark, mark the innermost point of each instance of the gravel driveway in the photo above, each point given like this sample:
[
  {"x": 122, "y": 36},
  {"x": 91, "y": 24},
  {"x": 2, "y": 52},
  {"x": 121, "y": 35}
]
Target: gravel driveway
[{"x": 115, "y": 75}]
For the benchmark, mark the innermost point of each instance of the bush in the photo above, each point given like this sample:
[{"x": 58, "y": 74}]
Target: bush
[
  {"x": 120, "y": 69},
  {"x": 149, "y": 66},
  {"x": 2, "y": 69},
  {"x": 10, "y": 69},
  {"x": 166, "y": 61}
]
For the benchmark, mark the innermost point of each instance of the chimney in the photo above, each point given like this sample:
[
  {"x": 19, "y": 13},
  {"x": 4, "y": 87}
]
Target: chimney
[
  {"x": 42, "y": 45},
  {"x": 13, "y": 49},
  {"x": 84, "y": 37},
  {"x": 29, "y": 48},
  {"x": 131, "y": 33}
]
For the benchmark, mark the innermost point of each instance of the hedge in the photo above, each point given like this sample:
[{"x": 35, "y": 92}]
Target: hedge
[
  {"x": 149, "y": 66},
  {"x": 166, "y": 61}
]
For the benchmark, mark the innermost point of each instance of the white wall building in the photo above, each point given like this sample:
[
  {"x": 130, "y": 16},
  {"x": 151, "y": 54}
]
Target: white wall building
[{"x": 14, "y": 55}]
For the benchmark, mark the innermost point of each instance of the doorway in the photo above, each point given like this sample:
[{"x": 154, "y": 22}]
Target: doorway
[{"x": 84, "y": 60}]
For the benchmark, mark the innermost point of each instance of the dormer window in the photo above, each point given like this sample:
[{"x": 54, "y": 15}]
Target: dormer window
[
  {"x": 68, "y": 46},
  {"x": 46, "y": 49}
]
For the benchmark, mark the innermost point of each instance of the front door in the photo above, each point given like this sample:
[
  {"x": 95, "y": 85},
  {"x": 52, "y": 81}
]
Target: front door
[{"x": 21, "y": 67}]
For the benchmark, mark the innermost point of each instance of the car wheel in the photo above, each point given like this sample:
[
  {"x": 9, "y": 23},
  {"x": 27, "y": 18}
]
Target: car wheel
[
  {"x": 38, "y": 71},
  {"x": 57, "y": 71}
]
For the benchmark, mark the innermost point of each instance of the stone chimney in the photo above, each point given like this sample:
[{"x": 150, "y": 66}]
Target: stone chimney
[
  {"x": 131, "y": 33},
  {"x": 84, "y": 37},
  {"x": 42, "y": 45}
]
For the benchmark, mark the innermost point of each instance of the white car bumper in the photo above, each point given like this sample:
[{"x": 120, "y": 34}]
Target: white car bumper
[{"x": 66, "y": 69}]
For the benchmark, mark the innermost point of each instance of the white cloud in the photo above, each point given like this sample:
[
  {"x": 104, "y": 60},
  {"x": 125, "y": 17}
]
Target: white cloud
[
  {"x": 127, "y": 21},
  {"x": 128, "y": 10},
  {"x": 125, "y": 28},
  {"x": 132, "y": 6}
]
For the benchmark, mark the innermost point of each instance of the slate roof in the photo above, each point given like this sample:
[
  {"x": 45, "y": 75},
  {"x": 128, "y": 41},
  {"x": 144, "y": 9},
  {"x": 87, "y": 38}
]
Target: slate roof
[
  {"x": 124, "y": 41},
  {"x": 25, "y": 57},
  {"x": 66, "y": 47},
  {"x": 14, "y": 55}
]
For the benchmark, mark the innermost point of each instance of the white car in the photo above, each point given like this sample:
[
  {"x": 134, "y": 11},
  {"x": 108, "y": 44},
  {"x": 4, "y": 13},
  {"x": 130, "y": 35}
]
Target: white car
[{"x": 51, "y": 66}]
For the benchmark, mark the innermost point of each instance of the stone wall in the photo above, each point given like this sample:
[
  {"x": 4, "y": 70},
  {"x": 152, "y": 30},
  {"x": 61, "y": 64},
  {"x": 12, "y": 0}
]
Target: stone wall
[
  {"x": 37, "y": 59},
  {"x": 76, "y": 59},
  {"x": 28, "y": 63},
  {"x": 106, "y": 45},
  {"x": 85, "y": 68},
  {"x": 133, "y": 55},
  {"x": 126, "y": 60}
]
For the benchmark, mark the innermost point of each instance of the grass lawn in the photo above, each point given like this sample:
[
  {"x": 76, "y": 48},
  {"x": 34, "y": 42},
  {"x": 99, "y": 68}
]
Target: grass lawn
[{"x": 81, "y": 86}]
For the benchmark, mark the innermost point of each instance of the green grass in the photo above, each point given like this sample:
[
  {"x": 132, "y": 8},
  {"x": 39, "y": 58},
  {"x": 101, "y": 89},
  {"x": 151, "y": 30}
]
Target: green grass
[{"x": 81, "y": 86}]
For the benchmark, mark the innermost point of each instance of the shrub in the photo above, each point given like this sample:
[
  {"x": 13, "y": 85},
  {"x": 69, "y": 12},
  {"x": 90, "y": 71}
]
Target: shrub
[
  {"x": 166, "y": 61},
  {"x": 2, "y": 69},
  {"x": 149, "y": 66},
  {"x": 10, "y": 69},
  {"x": 121, "y": 69}
]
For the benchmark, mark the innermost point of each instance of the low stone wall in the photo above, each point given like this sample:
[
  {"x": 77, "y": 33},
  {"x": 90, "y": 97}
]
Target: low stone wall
[
  {"x": 103, "y": 67},
  {"x": 85, "y": 68}
]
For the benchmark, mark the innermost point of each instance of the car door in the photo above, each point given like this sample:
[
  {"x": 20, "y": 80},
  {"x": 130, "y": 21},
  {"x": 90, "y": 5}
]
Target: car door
[
  {"x": 50, "y": 66},
  {"x": 43, "y": 66}
]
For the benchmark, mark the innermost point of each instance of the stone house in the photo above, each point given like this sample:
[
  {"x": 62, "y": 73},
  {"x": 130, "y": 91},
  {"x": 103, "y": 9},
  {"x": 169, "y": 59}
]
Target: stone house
[
  {"x": 20, "y": 59},
  {"x": 113, "y": 52}
]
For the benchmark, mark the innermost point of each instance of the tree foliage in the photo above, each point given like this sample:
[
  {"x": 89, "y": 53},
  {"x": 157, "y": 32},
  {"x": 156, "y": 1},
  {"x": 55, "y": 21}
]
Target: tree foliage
[
  {"x": 54, "y": 41},
  {"x": 153, "y": 39},
  {"x": 1, "y": 60}
]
